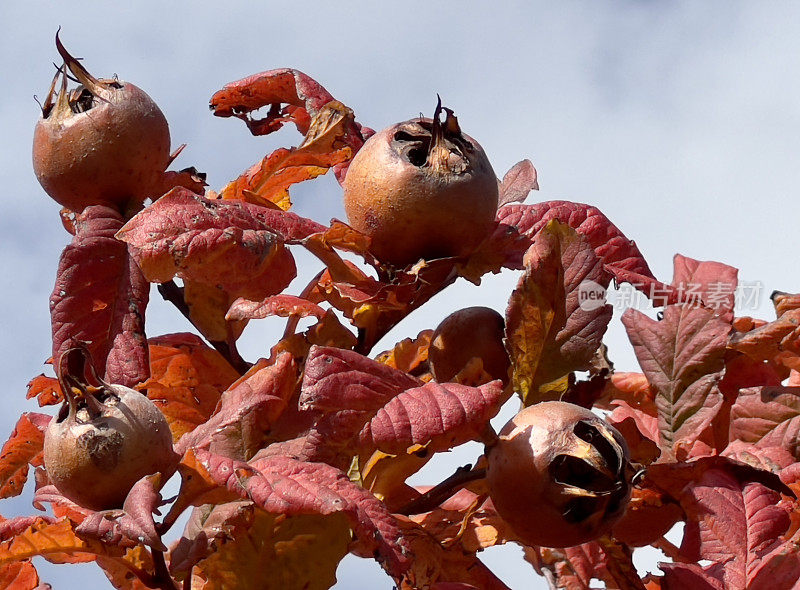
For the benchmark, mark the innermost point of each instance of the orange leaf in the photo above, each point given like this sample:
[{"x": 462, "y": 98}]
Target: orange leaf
[
  {"x": 409, "y": 355},
  {"x": 197, "y": 487},
  {"x": 22, "y": 448},
  {"x": 267, "y": 183},
  {"x": 46, "y": 390},
  {"x": 550, "y": 332},
  {"x": 778, "y": 340},
  {"x": 208, "y": 306},
  {"x": 785, "y": 302},
  {"x": 299, "y": 551},
  {"x": 20, "y": 575},
  {"x": 187, "y": 380},
  {"x": 120, "y": 571},
  {"x": 52, "y": 540}
]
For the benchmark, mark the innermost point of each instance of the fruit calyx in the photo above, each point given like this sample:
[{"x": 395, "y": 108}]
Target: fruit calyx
[
  {"x": 84, "y": 399},
  {"x": 64, "y": 103},
  {"x": 596, "y": 471},
  {"x": 434, "y": 145}
]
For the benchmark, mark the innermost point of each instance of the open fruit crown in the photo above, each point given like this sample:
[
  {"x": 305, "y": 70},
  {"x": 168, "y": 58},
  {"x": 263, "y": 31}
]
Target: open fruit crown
[{"x": 288, "y": 463}]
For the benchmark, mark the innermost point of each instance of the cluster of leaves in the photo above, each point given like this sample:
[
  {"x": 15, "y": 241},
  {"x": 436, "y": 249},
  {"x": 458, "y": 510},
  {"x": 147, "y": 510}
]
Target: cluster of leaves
[{"x": 293, "y": 461}]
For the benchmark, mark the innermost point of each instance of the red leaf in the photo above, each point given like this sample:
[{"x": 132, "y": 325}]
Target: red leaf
[
  {"x": 785, "y": 302},
  {"x": 47, "y": 493},
  {"x": 632, "y": 388},
  {"x": 649, "y": 517},
  {"x": 23, "y": 447},
  {"x": 273, "y": 87},
  {"x": 304, "y": 99},
  {"x": 519, "y": 224},
  {"x": 679, "y": 576},
  {"x": 768, "y": 458},
  {"x": 711, "y": 284},
  {"x": 778, "y": 341},
  {"x": 673, "y": 478},
  {"x": 639, "y": 429},
  {"x": 518, "y": 182},
  {"x": 768, "y": 416},
  {"x": 347, "y": 389},
  {"x": 682, "y": 358},
  {"x": 575, "y": 567},
  {"x": 235, "y": 245},
  {"x": 247, "y": 410},
  {"x": 133, "y": 524},
  {"x": 99, "y": 299},
  {"x": 437, "y": 416},
  {"x": 747, "y": 551},
  {"x": 282, "y": 485},
  {"x": 338, "y": 380}
]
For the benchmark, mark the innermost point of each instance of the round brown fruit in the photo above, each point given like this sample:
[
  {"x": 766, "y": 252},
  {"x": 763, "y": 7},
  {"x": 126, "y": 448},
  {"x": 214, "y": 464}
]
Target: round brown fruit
[
  {"x": 473, "y": 332},
  {"x": 559, "y": 475},
  {"x": 421, "y": 189},
  {"x": 100, "y": 445},
  {"x": 106, "y": 142}
]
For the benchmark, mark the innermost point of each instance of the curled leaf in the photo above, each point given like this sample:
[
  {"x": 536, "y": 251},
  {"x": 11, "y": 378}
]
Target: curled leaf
[
  {"x": 517, "y": 183},
  {"x": 550, "y": 329},
  {"x": 517, "y": 226},
  {"x": 23, "y": 448},
  {"x": 280, "y": 305},
  {"x": 99, "y": 299},
  {"x": 325, "y": 145},
  {"x": 235, "y": 245},
  {"x": 133, "y": 524}
]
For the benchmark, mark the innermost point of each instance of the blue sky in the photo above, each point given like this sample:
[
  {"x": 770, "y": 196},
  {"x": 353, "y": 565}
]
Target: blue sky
[{"x": 679, "y": 120}]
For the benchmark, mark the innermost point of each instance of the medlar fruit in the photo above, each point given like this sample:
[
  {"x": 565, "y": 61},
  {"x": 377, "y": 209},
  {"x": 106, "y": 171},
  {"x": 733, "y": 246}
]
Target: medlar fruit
[
  {"x": 421, "y": 189},
  {"x": 473, "y": 332},
  {"x": 104, "y": 439},
  {"x": 559, "y": 475},
  {"x": 106, "y": 142}
]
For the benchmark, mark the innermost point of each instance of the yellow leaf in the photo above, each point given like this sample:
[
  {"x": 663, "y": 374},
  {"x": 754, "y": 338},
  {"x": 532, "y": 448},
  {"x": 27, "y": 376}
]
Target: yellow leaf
[
  {"x": 277, "y": 553},
  {"x": 208, "y": 305},
  {"x": 43, "y": 538}
]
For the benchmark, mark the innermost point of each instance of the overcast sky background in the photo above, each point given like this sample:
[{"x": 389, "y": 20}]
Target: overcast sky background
[{"x": 679, "y": 120}]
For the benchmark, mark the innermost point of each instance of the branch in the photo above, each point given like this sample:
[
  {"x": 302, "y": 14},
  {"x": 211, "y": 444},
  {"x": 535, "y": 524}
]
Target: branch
[
  {"x": 174, "y": 294},
  {"x": 162, "y": 580}
]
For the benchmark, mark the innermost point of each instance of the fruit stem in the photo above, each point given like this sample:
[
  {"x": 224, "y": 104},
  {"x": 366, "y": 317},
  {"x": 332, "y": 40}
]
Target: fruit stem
[{"x": 442, "y": 491}]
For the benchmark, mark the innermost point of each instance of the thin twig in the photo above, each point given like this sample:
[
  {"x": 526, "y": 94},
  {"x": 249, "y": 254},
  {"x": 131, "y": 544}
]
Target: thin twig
[
  {"x": 174, "y": 294},
  {"x": 442, "y": 491}
]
